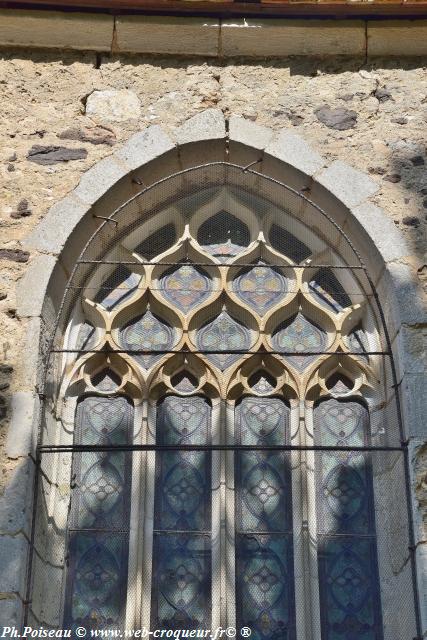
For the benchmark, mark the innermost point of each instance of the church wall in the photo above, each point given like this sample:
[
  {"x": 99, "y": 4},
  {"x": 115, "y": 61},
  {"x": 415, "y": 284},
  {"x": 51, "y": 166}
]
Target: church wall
[{"x": 62, "y": 112}]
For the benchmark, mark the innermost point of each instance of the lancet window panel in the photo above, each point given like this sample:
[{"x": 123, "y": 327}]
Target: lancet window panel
[{"x": 229, "y": 324}]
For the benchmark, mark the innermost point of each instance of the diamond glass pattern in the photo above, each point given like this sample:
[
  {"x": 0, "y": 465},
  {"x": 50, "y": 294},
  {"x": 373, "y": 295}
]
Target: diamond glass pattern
[
  {"x": 261, "y": 287},
  {"x": 223, "y": 334},
  {"x": 264, "y": 578},
  {"x": 185, "y": 287},
  {"x": 181, "y": 589},
  {"x": 99, "y": 516},
  {"x": 148, "y": 333},
  {"x": 299, "y": 334},
  {"x": 348, "y": 573}
]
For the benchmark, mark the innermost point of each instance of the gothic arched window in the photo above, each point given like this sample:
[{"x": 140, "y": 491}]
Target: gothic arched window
[{"x": 223, "y": 398}]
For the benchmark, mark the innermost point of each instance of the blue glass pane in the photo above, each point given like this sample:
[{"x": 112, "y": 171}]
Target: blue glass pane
[
  {"x": 148, "y": 333},
  {"x": 264, "y": 557},
  {"x": 99, "y": 515},
  {"x": 183, "y": 495},
  {"x": 223, "y": 334},
  {"x": 181, "y": 591},
  {"x": 260, "y": 286},
  {"x": 264, "y": 586},
  {"x": 181, "y": 583},
  {"x": 97, "y": 577},
  {"x": 299, "y": 335},
  {"x": 186, "y": 287},
  {"x": 348, "y": 573},
  {"x": 349, "y": 592}
]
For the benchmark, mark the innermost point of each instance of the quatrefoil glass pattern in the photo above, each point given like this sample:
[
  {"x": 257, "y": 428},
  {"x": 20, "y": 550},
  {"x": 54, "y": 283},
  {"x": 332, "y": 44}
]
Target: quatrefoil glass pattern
[
  {"x": 348, "y": 570},
  {"x": 99, "y": 514},
  {"x": 300, "y": 335},
  {"x": 261, "y": 287},
  {"x": 148, "y": 333},
  {"x": 225, "y": 334},
  {"x": 185, "y": 287}
]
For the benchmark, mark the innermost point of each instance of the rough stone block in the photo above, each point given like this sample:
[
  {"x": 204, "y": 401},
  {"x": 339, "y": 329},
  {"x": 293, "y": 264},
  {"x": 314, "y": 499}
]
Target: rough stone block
[
  {"x": 349, "y": 185},
  {"x": 170, "y": 35},
  {"x": 55, "y": 29},
  {"x": 381, "y": 231},
  {"x": 408, "y": 293},
  {"x": 277, "y": 38},
  {"x": 10, "y": 612},
  {"x": 114, "y": 105},
  {"x": 51, "y": 234},
  {"x": 414, "y": 390},
  {"x": 20, "y": 437},
  {"x": 16, "y": 501},
  {"x": 293, "y": 150},
  {"x": 207, "y": 125},
  {"x": 397, "y": 38},
  {"x": 13, "y": 561},
  {"x": 32, "y": 287},
  {"x": 144, "y": 147},
  {"x": 99, "y": 179}
]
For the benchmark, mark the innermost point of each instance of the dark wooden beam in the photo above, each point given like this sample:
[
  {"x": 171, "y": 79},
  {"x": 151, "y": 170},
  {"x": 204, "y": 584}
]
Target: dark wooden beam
[{"x": 230, "y": 9}]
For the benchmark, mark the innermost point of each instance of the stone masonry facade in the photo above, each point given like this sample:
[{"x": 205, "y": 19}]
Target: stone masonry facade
[{"x": 62, "y": 112}]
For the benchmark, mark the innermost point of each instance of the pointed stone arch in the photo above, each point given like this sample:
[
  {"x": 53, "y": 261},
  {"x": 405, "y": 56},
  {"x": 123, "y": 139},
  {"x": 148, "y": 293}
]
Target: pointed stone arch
[{"x": 150, "y": 156}]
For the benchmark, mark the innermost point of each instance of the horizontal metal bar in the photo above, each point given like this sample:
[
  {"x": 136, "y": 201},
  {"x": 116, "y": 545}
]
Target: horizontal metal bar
[
  {"x": 75, "y": 448},
  {"x": 182, "y": 531},
  {"x": 77, "y": 529},
  {"x": 221, "y": 264},
  {"x": 228, "y": 352}
]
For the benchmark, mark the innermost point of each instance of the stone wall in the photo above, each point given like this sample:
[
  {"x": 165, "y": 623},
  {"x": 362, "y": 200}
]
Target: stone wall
[{"x": 63, "y": 112}]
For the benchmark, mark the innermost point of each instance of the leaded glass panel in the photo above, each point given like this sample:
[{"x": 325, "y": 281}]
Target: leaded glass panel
[
  {"x": 181, "y": 584},
  {"x": 328, "y": 291},
  {"x": 148, "y": 333},
  {"x": 117, "y": 288},
  {"x": 225, "y": 334},
  {"x": 260, "y": 286},
  {"x": 298, "y": 334},
  {"x": 348, "y": 573},
  {"x": 287, "y": 244},
  {"x": 264, "y": 576},
  {"x": 99, "y": 515},
  {"x": 186, "y": 287}
]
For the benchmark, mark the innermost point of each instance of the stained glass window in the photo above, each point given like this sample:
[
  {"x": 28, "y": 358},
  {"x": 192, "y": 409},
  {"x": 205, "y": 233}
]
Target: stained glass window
[
  {"x": 181, "y": 581},
  {"x": 223, "y": 334},
  {"x": 299, "y": 335},
  {"x": 148, "y": 333},
  {"x": 347, "y": 555},
  {"x": 221, "y": 543},
  {"x": 99, "y": 517},
  {"x": 260, "y": 286},
  {"x": 186, "y": 287},
  {"x": 264, "y": 550}
]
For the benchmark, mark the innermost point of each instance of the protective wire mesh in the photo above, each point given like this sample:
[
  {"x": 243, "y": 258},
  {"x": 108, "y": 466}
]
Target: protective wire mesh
[{"x": 292, "y": 534}]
